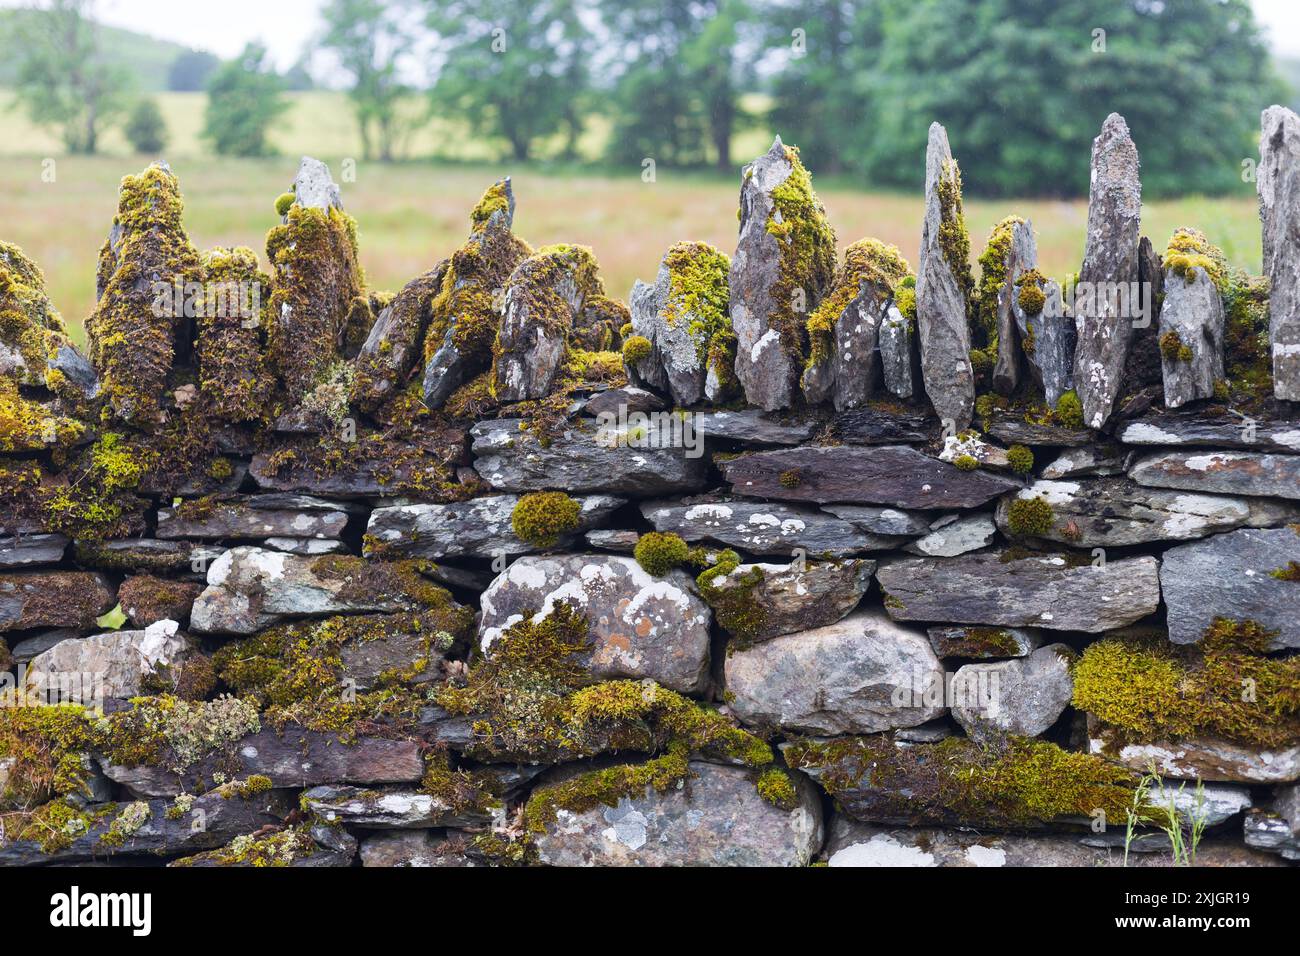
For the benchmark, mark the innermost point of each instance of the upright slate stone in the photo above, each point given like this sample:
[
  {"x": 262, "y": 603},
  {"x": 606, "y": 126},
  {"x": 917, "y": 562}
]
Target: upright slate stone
[
  {"x": 1110, "y": 271},
  {"x": 780, "y": 270},
  {"x": 941, "y": 299},
  {"x": 1191, "y": 337},
  {"x": 1279, "y": 210}
]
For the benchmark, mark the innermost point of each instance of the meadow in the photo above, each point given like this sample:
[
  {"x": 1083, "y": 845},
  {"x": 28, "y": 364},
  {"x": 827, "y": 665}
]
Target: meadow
[{"x": 412, "y": 213}]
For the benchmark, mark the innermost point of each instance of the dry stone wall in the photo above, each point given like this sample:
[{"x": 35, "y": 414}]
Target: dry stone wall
[{"x": 793, "y": 561}]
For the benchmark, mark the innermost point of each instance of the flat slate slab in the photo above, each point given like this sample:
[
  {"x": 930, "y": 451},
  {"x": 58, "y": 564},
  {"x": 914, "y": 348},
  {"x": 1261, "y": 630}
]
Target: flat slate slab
[
  {"x": 891, "y": 474},
  {"x": 1007, "y": 590},
  {"x": 764, "y": 528},
  {"x": 1226, "y": 472},
  {"x": 1219, "y": 431}
]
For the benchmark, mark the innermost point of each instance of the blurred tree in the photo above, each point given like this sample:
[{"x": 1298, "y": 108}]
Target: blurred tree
[
  {"x": 190, "y": 71},
  {"x": 511, "y": 67},
  {"x": 677, "y": 99},
  {"x": 370, "y": 37},
  {"x": 62, "y": 79},
  {"x": 1023, "y": 86},
  {"x": 145, "y": 128},
  {"x": 243, "y": 101}
]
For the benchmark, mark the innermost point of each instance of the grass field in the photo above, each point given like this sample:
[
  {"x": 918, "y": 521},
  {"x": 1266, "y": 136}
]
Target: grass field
[{"x": 413, "y": 213}]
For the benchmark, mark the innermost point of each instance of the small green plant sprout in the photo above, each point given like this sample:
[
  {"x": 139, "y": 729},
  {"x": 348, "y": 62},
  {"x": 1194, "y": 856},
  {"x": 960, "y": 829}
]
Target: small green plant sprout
[{"x": 1156, "y": 804}]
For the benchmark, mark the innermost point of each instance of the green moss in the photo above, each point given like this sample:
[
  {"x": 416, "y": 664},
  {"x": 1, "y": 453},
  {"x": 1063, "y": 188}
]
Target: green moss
[
  {"x": 1011, "y": 783},
  {"x": 660, "y": 552},
  {"x": 993, "y": 277},
  {"x": 234, "y": 379},
  {"x": 278, "y": 849},
  {"x": 1031, "y": 296},
  {"x": 496, "y": 198},
  {"x": 1190, "y": 250},
  {"x": 982, "y": 642},
  {"x": 544, "y": 517},
  {"x": 26, "y": 426},
  {"x": 1290, "y": 573},
  {"x": 732, "y": 597},
  {"x": 1173, "y": 349},
  {"x": 96, "y": 502},
  {"x": 1147, "y": 690},
  {"x": 954, "y": 241},
  {"x": 1021, "y": 459},
  {"x": 636, "y": 349},
  {"x": 791, "y": 478},
  {"x": 905, "y": 299},
  {"x": 132, "y": 817},
  {"x": 867, "y": 260},
  {"x": 697, "y": 291},
  {"x": 1030, "y": 516},
  {"x": 776, "y": 787},
  {"x": 966, "y": 462},
  {"x": 1069, "y": 409},
  {"x": 30, "y": 327}
]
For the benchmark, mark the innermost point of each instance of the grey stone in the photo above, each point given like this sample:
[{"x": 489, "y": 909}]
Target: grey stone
[
  {"x": 881, "y": 520},
  {"x": 582, "y": 460},
  {"x": 623, "y": 542},
  {"x": 1278, "y": 182},
  {"x": 1227, "y": 472},
  {"x": 313, "y": 188},
  {"x": 387, "y": 808},
  {"x": 855, "y": 676},
  {"x": 1099, "y": 460},
  {"x": 76, "y": 370},
  {"x": 146, "y": 554},
  {"x": 983, "y": 642},
  {"x": 120, "y": 659},
  {"x": 32, "y": 550},
  {"x": 1105, "y": 512},
  {"x": 254, "y": 517},
  {"x": 967, "y": 533},
  {"x": 1049, "y": 362},
  {"x": 308, "y": 546},
  {"x": 478, "y": 528},
  {"x": 30, "y": 647},
  {"x": 767, "y": 370},
  {"x": 766, "y": 528},
  {"x": 1210, "y": 805},
  {"x": 252, "y": 588},
  {"x": 900, "y": 358},
  {"x": 752, "y": 426},
  {"x": 1024, "y": 696},
  {"x": 640, "y": 626},
  {"x": 1031, "y": 591},
  {"x": 413, "y": 848},
  {"x": 1216, "y": 431},
  {"x": 1200, "y": 758},
  {"x": 891, "y": 475},
  {"x": 393, "y": 346},
  {"x": 1110, "y": 263},
  {"x": 530, "y": 348},
  {"x": 715, "y": 818},
  {"x": 631, "y": 399},
  {"x": 793, "y": 597},
  {"x": 851, "y": 371},
  {"x": 1271, "y": 833},
  {"x": 969, "y": 443},
  {"x": 1011, "y": 428},
  {"x": 1231, "y": 576},
  {"x": 941, "y": 306},
  {"x": 1192, "y": 311},
  {"x": 883, "y": 426}
]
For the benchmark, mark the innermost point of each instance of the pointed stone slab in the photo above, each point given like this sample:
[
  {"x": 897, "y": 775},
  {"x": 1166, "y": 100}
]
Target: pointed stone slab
[
  {"x": 313, "y": 188},
  {"x": 1046, "y": 338},
  {"x": 1279, "y": 209},
  {"x": 889, "y": 475},
  {"x": 762, "y": 528},
  {"x": 1193, "y": 313},
  {"x": 1006, "y": 590},
  {"x": 1022, "y": 255},
  {"x": 1234, "y": 576},
  {"x": 900, "y": 357},
  {"x": 1226, "y": 472},
  {"x": 941, "y": 306},
  {"x": 1117, "y": 512},
  {"x": 1209, "y": 430},
  {"x": 1110, "y": 258}
]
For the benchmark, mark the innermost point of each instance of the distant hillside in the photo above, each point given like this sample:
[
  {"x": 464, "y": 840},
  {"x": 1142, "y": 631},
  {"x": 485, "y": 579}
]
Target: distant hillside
[{"x": 146, "y": 57}]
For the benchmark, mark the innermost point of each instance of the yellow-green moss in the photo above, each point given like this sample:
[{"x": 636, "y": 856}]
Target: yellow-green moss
[
  {"x": 1190, "y": 250},
  {"x": 954, "y": 241},
  {"x": 636, "y": 349},
  {"x": 544, "y": 517},
  {"x": 776, "y": 787},
  {"x": 1031, "y": 296},
  {"x": 660, "y": 552},
  {"x": 1030, "y": 516},
  {"x": 1173, "y": 348},
  {"x": 867, "y": 260},
  {"x": 697, "y": 288},
  {"x": 1020, "y": 459},
  {"x": 1069, "y": 409},
  {"x": 732, "y": 599},
  {"x": 993, "y": 277},
  {"x": 966, "y": 462},
  {"x": 1146, "y": 689}
]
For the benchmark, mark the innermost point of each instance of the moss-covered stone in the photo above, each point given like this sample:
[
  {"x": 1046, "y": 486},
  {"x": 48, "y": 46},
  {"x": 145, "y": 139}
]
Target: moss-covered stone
[
  {"x": 542, "y": 518},
  {"x": 235, "y": 383},
  {"x": 31, "y": 330},
  {"x": 865, "y": 261},
  {"x": 660, "y": 552}
]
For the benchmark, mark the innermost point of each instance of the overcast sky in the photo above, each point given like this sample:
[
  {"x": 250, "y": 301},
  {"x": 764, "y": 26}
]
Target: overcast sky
[{"x": 285, "y": 26}]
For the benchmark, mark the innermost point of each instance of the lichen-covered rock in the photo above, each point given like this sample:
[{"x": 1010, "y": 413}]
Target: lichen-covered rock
[
  {"x": 34, "y": 346},
  {"x": 543, "y": 297},
  {"x": 891, "y": 475},
  {"x": 756, "y": 602},
  {"x": 784, "y": 263},
  {"x": 388, "y": 808},
  {"x": 1211, "y": 430},
  {"x": 862, "y": 674},
  {"x": 52, "y": 599},
  {"x": 146, "y": 599},
  {"x": 1110, "y": 270},
  {"x": 414, "y": 848},
  {"x": 252, "y": 588},
  {"x": 943, "y": 288},
  {"x": 844, "y": 331},
  {"x": 951, "y": 538},
  {"x": 750, "y": 426},
  {"x": 393, "y": 346},
  {"x": 1101, "y": 460},
  {"x": 766, "y": 529},
  {"x": 234, "y": 380},
  {"x": 254, "y": 516},
  {"x": 479, "y": 528},
  {"x": 317, "y": 284},
  {"x": 1104, "y": 512},
  {"x": 715, "y": 817},
  {"x": 465, "y": 313},
  {"x": 640, "y": 626},
  {"x": 1011, "y": 590},
  {"x": 983, "y": 642},
  {"x": 1225, "y": 472},
  {"x": 1203, "y": 758},
  {"x": 1279, "y": 210},
  {"x": 684, "y": 317},
  {"x": 1024, "y": 696},
  {"x": 1191, "y": 336},
  {"x": 582, "y": 460},
  {"x": 120, "y": 659},
  {"x": 134, "y": 328},
  {"x": 1044, "y": 337},
  {"x": 875, "y": 519},
  {"x": 1245, "y": 575}
]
